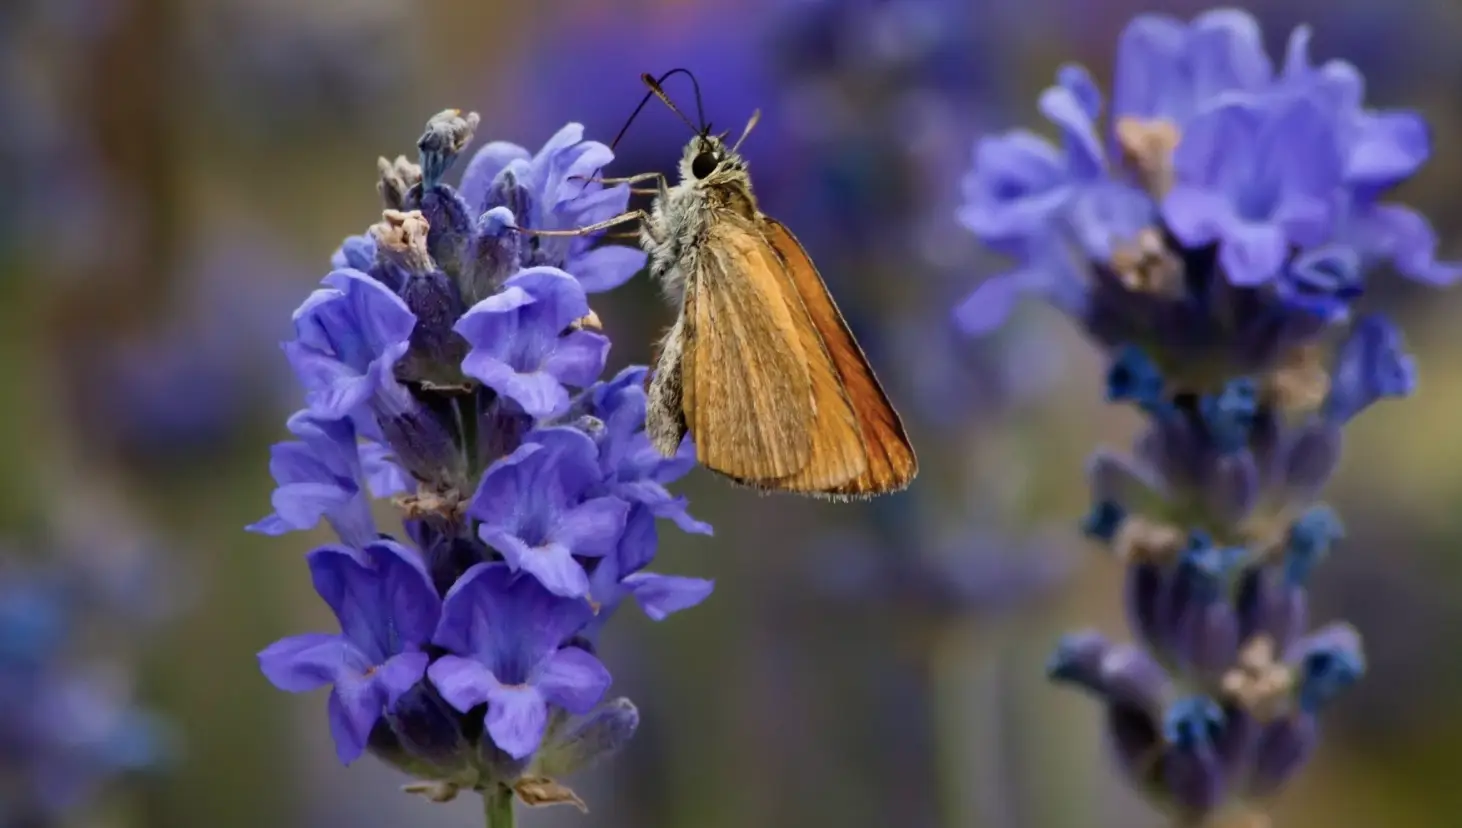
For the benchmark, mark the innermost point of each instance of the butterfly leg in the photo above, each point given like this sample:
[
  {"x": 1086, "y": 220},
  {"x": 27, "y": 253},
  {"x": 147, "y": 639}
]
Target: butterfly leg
[
  {"x": 622, "y": 218},
  {"x": 632, "y": 179}
]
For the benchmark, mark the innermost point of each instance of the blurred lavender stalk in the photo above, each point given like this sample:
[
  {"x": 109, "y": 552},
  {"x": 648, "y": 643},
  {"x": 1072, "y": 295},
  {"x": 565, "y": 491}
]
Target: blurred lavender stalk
[
  {"x": 1214, "y": 241},
  {"x": 451, "y": 361}
]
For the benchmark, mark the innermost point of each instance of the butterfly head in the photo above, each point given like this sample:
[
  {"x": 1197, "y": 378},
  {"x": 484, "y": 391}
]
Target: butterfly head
[{"x": 708, "y": 161}]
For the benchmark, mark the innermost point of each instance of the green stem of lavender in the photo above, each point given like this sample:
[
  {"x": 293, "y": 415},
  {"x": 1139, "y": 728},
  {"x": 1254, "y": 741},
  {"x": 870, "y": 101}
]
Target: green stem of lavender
[{"x": 497, "y": 806}]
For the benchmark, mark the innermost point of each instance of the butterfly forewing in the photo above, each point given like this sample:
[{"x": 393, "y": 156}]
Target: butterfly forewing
[
  {"x": 746, "y": 391},
  {"x": 889, "y": 461},
  {"x": 836, "y": 456}
]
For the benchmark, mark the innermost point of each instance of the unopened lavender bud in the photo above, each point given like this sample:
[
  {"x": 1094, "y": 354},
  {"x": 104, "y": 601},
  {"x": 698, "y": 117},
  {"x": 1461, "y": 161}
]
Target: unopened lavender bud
[
  {"x": 1193, "y": 773},
  {"x": 594, "y": 737},
  {"x": 495, "y": 250},
  {"x": 1330, "y": 661},
  {"x": 447, "y": 134},
  {"x": 436, "y": 350},
  {"x": 1283, "y": 748},
  {"x": 1229, "y": 415},
  {"x": 1078, "y": 661}
]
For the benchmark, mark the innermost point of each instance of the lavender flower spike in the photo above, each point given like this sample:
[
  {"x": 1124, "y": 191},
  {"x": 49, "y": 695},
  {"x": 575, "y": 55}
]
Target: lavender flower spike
[
  {"x": 451, "y": 362},
  {"x": 1214, "y": 239}
]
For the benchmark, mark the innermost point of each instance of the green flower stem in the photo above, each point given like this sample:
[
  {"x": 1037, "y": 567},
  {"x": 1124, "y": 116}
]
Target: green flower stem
[{"x": 497, "y": 805}]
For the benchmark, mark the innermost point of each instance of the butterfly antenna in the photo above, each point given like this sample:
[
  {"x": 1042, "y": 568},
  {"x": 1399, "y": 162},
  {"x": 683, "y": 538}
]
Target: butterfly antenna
[
  {"x": 750, "y": 125},
  {"x": 658, "y": 90}
]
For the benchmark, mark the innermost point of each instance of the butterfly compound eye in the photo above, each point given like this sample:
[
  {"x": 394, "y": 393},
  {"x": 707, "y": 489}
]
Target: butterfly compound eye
[{"x": 703, "y": 165}]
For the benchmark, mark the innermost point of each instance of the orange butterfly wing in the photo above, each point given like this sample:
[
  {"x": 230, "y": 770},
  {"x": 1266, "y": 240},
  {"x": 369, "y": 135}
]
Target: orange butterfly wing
[{"x": 889, "y": 462}]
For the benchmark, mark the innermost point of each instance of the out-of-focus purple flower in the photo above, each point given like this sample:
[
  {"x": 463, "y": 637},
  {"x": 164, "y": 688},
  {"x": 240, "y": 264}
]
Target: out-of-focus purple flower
[
  {"x": 1215, "y": 242},
  {"x": 451, "y": 362},
  {"x": 1222, "y": 192},
  {"x": 69, "y": 725}
]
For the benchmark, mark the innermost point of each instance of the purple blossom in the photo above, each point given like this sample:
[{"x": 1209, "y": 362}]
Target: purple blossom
[
  {"x": 69, "y": 725},
  {"x": 1215, "y": 241},
  {"x": 508, "y": 633},
  {"x": 388, "y": 610},
  {"x": 633, "y": 469},
  {"x": 548, "y": 191},
  {"x": 519, "y": 348},
  {"x": 446, "y": 366},
  {"x": 1206, "y": 201},
  {"x": 621, "y": 575},
  {"x": 534, "y": 509},
  {"x": 348, "y": 339},
  {"x": 319, "y": 476}
]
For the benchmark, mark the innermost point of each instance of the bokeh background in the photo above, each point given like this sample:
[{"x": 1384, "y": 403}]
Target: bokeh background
[{"x": 175, "y": 174}]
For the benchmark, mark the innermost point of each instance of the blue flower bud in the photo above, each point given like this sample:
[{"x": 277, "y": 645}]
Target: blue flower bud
[
  {"x": 1309, "y": 539},
  {"x": 582, "y": 742},
  {"x": 1324, "y": 281},
  {"x": 1134, "y": 378},
  {"x": 1331, "y": 661},
  {"x": 1078, "y": 661},
  {"x": 1102, "y": 522},
  {"x": 494, "y": 255},
  {"x": 447, "y": 134},
  {"x": 1372, "y": 365},
  {"x": 1193, "y": 774},
  {"x": 1229, "y": 415}
]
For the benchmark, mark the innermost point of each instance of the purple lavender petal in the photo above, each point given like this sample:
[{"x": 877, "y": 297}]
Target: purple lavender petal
[
  {"x": 1017, "y": 183},
  {"x": 1252, "y": 253},
  {"x": 1068, "y": 105},
  {"x": 509, "y": 623},
  {"x": 344, "y": 731},
  {"x": 607, "y": 267},
  {"x": 1225, "y": 52},
  {"x": 592, "y": 528},
  {"x": 408, "y": 598},
  {"x": 661, "y": 595},
  {"x": 554, "y": 566},
  {"x": 1196, "y": 216},
  {"x": 484, "y": 168},
  {"x": 357, "y": 704},
  {"x": 1389, "y": 148},
  {"x": 1148, "y": 82},
  {"x": 577, "y": 359},
  {"x": 463, "y": 682},
  {"x": 384, "y": 477},
  {"x": 573, "y": 679},
  {"x": 538, "y": 393},
  {"x": 517, "y": 717},
  {"x": 400, "y": 673},
  {"x": 302, "y": 663},
  {"x": 1404, "y": 236},
  {"x": 992, "y": 303}
]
